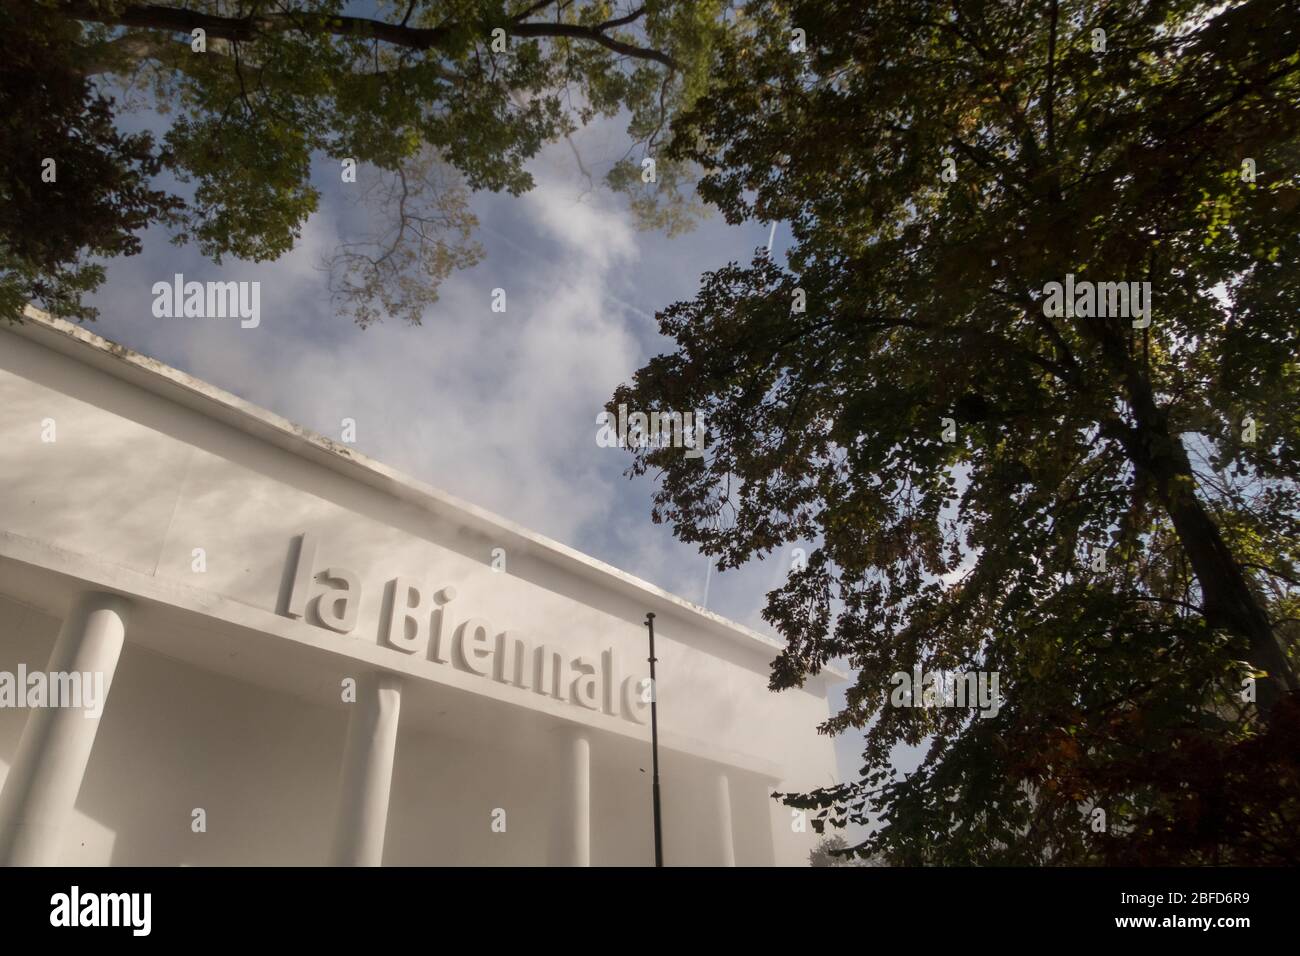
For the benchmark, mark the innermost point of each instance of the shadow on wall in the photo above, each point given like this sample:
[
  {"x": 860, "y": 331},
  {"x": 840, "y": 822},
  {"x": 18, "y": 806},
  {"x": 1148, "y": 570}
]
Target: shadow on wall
[
  {"x": 60, "y": 467},
  {"x": 174, "y": 739},
  {"x": 264, "y": 769}
]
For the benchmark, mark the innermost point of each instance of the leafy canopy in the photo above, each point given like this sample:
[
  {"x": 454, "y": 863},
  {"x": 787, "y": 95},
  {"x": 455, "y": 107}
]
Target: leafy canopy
[
  {"x": 1112, "y": 528},
  {"x": 433, "y": 98}
]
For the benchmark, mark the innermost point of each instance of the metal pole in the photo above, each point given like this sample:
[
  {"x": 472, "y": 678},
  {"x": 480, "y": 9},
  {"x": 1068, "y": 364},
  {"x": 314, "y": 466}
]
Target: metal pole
[{"x": 654, "y": 740}]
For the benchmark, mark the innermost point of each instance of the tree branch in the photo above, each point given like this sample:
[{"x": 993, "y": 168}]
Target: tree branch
[
  {"x": 593, "y": 34},
  {"x": 151, "y": 16}
]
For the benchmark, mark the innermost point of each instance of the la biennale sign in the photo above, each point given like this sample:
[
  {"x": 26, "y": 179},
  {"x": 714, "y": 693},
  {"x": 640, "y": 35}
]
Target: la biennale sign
[{"x": 416, "y": 620}]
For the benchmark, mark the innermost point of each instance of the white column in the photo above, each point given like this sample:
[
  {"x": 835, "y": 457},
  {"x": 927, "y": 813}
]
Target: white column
[
  {"x": 572, "y": 844},
  {"x": 726, "y": 835},
  {"x": 43, "y": 782},
  {"x": 367, "y": 774}
]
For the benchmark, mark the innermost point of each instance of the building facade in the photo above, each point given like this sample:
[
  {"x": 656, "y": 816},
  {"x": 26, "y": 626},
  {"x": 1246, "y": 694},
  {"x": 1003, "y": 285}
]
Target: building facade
[{"x": 289, "y": 654}]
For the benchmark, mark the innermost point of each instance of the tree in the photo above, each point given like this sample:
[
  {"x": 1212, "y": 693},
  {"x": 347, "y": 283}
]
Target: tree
[
  {"x": 70, "y": 182},
  {"x": 1099, "y": 510},
  {"x": 432, "y": 98},
  {"x": 824, "y": 853}
]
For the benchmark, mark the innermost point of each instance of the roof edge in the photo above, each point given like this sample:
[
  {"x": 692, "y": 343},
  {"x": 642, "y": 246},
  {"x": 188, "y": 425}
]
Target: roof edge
[{"x": 171, "y": 383}]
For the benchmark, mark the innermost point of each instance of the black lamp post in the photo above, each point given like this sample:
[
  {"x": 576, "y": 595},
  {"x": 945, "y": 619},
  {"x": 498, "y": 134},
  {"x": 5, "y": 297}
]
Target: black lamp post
[{"x": 654, "y": 740}]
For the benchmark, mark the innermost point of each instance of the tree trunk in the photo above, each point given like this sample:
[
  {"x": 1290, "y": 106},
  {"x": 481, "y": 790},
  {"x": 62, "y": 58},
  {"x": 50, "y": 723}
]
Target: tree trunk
[{"x": 1228, "y": 601}]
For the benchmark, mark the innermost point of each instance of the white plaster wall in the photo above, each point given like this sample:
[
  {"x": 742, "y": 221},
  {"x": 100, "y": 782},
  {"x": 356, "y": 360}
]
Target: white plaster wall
[
  {"x": 140, "y": 482},
  {"x": 174, "y": 738}
]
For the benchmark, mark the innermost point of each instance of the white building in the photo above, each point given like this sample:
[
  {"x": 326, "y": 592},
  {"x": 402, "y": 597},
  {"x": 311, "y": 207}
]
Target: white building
[{"x": 313, "y": 659}]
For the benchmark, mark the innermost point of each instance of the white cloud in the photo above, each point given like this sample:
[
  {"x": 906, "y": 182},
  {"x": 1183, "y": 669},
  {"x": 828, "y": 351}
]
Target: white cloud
[{"x": 498, "y": 409}]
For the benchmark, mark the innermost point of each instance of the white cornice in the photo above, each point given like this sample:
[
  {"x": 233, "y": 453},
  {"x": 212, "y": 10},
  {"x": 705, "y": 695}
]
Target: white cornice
[{"x": 171, "y": 384}]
